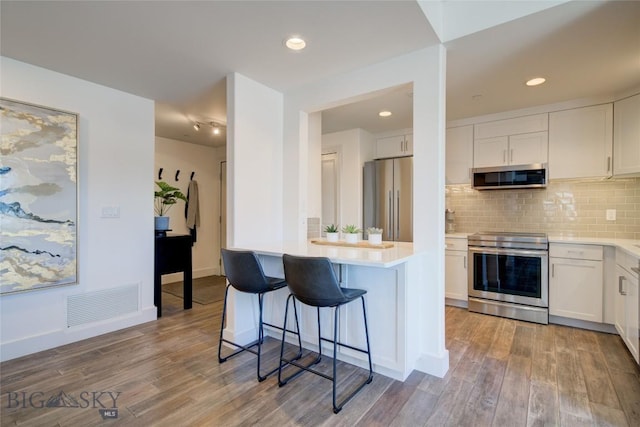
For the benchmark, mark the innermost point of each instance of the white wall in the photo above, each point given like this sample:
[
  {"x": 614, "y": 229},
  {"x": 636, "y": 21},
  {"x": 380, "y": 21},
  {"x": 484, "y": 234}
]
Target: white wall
[
  {"x": 116, "y": 146},
  {"x": 426, "y": 69},
  {"x": 354, "y": 147},
  {"x": 314, "y": 187},
  {"x": 172, "y": 155}
]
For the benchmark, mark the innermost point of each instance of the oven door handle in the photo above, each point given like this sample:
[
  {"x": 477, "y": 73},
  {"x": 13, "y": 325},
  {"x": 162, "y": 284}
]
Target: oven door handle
[{"x": 506, "y": 251}]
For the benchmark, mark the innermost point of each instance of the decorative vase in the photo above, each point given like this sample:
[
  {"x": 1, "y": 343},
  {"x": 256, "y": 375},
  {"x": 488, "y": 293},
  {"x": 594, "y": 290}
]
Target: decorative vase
[
  {"x": 332, "y": 237},
  {"x": 351, "y": 237},
  {"x": 162, "y": 223},
  {"x": 375, "y": 239}
]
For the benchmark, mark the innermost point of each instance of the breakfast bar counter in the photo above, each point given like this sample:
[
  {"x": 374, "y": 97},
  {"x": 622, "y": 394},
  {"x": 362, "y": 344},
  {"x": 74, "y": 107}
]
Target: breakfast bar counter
[{"x": 388, "y": 275}]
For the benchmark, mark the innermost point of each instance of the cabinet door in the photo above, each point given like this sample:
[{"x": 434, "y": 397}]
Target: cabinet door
[
  {"x": 575, "y": 289},
  {"x": 459, "y": 155},
  {"x": 626, "y": 118},
  {"x": 392, "y": 146},
  {"x": 619, "y": 301},
  {"x": 528, "y": 148},
  {"x": 408, "y": 145},
  {"x": 581, "y": 142},
  {"x": 456, "y": 275},
  {"x": 631, "y": 316},
  {"x": 490, "y": 152},
  {"x": 514, "y": 126}
]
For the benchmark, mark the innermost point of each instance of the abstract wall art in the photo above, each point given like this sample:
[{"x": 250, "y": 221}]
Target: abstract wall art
[{"x": 38, "y": 197}]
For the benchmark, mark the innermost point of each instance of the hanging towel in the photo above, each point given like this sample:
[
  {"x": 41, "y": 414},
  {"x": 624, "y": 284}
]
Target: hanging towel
[{"x": 192, "y": 210}]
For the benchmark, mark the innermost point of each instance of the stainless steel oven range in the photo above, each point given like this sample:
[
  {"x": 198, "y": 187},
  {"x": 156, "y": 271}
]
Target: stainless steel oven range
[{"x": 508, "y": 275}]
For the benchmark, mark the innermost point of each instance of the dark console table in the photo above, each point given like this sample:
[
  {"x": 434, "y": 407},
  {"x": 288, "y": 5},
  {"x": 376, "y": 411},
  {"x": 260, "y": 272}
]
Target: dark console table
[{"x": 172, "y": 255}]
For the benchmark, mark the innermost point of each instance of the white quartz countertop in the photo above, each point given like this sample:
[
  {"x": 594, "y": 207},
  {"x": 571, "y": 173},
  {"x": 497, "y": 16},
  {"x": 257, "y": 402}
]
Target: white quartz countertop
[
  {"x": 628, "y": 245},
  {"x": 385, "y": 258}
]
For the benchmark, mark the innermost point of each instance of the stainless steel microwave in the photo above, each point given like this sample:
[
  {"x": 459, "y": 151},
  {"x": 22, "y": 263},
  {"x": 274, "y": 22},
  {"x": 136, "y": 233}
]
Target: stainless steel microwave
[{"x": 512, "y": 176}]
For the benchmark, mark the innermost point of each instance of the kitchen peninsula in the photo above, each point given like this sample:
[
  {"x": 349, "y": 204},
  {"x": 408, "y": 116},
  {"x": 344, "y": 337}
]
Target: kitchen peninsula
[{"x": 388, "y": 277}]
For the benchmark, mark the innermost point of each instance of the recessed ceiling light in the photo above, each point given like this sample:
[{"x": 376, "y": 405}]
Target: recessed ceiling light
[
  {"x": 537, "y": 81},
  {"x": 295, "y": 43},
  {"x": 384, "y": 113}
]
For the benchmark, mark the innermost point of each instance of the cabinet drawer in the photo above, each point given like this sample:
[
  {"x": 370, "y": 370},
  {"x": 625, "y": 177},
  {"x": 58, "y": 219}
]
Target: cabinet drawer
[
  {"x": 590, "y": 252},
  {"x": 628, "y": 262},
  {"x": 452, "y": 244}
]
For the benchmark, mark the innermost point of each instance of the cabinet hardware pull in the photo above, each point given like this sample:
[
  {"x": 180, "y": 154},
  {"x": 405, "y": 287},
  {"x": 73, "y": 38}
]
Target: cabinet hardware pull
[
  {"x": 620, "y": 280},
  {"x": 511, "y": 156},
  {"x": 504, "y": 156},
  {"x": 608, "y": 163},
  {"x": 553, "y": 270},
  {"x": 465, "y": 262}
]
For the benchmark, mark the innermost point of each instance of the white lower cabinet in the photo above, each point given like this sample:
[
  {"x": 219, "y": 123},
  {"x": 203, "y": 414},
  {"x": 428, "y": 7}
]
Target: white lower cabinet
[
  {"x": 626, "y": 302},
  {"x": 456, "y": 264},
  {"x": 576, "y": 281}
]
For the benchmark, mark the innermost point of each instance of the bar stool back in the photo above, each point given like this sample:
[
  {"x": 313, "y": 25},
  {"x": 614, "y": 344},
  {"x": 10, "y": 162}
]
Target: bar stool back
[
  {"x": 245, "y": 274},
  {"x": 313, "y": 282}
]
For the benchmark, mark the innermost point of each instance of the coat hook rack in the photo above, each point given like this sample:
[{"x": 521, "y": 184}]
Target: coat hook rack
[
  {"x": 192, "y": 174},
  {"x": 177, "y": 174},
  {"x": 160, "y": 174}
]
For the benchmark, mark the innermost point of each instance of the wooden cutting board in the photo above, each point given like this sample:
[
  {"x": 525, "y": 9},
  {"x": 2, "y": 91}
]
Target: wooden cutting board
[{"x": 361, "y": 244}]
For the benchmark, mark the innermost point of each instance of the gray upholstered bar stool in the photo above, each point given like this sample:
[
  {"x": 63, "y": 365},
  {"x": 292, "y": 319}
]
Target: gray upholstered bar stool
[
  {"x": 245, "y": 274},
  {"x": 313, "y": 282}
]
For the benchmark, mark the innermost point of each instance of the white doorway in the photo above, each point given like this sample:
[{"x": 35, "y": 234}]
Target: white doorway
[{"x": 330, "y": 190}]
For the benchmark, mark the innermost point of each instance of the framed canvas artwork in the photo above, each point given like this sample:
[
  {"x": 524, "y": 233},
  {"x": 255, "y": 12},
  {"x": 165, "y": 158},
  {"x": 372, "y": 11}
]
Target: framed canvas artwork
[{"x": 38, "y": 197}]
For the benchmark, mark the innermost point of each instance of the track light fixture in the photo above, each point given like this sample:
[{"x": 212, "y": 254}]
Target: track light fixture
[{"x": 196, "y": 126}]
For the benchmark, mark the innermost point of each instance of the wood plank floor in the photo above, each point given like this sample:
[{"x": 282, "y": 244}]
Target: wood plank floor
[{"x": 165, "y": 373}]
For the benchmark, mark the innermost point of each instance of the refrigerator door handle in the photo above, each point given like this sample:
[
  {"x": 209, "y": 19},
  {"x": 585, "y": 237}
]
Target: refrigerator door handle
[
  {"x": 397, "y": 236},
  {"x": 390, "y": 229}
]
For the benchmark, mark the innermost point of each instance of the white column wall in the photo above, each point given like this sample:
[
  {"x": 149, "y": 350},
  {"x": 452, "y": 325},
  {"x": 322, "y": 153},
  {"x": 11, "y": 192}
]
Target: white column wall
[
  {"x": 255, "y": 161},
  {"x": 425, "y": 68},
  {"x": 115, "y": 166}
]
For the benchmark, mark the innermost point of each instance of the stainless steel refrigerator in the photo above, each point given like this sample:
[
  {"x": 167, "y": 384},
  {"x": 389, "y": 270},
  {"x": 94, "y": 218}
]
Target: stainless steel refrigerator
[{"x": 388, "y": 197}]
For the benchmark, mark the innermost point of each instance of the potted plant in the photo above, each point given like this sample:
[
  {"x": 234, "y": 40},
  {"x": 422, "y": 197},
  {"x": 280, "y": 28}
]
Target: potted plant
[
  {"x": 351, "y": 233},
  {"x": 332, "y": 233},
  {"x": 165, "y": 198},
  {"x": 374, "y": 235}
]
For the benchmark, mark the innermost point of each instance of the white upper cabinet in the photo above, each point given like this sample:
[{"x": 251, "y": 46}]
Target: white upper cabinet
[
  {"x": 459, "y": 154},
  {"x": 394, "y": 146},
  {"x": 517, "y": 125},
  {"x": 517, "y": 141},
  {"x": 626, "y": 142},
  {"x": 581, "y": 142}
]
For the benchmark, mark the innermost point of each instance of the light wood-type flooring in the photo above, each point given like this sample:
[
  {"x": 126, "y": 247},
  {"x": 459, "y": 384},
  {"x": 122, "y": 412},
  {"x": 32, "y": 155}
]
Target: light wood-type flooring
[{"x": 502, "y": 372}]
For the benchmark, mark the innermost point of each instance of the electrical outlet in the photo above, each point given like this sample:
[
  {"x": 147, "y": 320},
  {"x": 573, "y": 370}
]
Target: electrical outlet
[{"x": 611, "y": 214}]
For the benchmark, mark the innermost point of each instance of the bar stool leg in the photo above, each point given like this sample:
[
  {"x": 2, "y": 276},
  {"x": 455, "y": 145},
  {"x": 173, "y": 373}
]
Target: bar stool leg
[
  {"x": 222, "y": 325},
  {"x": 338, "y": 407}
]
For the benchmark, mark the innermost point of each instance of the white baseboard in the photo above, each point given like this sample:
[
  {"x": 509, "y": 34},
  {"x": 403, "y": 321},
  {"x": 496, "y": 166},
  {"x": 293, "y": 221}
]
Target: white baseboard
[
  {"x": 56, "y": 338},
  {"x": 198, "y": 273},
  {"x": 431, "y": 364}
]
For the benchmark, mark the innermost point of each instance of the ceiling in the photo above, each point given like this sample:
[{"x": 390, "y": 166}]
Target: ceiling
[{"x": 179, "y": 52}]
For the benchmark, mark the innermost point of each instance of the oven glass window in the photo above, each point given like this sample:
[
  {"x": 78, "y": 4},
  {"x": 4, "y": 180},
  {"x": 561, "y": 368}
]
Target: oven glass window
[{"x": 508, "y": 274}]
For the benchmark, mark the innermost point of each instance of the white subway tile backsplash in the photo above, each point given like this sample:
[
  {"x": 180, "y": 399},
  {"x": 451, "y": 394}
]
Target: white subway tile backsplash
[{"x": 565, "y": 206}]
